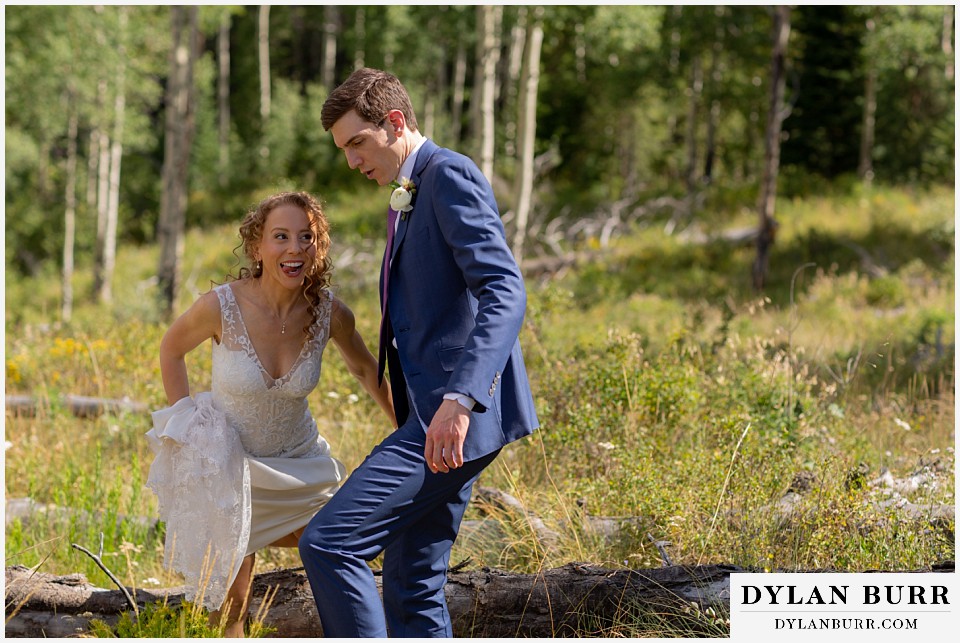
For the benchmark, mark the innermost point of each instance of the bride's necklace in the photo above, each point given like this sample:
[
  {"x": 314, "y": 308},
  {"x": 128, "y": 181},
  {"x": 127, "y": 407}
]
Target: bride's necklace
[{"x": 283, "y": 321}]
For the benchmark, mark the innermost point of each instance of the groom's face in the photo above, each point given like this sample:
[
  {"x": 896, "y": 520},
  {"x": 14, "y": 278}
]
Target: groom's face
[{"x": 371, "y": 148}]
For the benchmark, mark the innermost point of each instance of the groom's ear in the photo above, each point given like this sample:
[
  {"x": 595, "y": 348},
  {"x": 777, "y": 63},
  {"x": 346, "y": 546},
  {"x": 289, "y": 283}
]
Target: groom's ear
[{"x": 398, "y": 122}]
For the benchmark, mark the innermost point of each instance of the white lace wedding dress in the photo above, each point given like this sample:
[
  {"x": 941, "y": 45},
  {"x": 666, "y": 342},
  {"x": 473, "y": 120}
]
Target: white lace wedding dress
[{"x": 242, "y": 466}]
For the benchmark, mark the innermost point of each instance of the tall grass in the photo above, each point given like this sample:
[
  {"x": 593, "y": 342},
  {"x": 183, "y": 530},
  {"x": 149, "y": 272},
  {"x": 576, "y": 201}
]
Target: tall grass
[{"x": 671, "y": 396}]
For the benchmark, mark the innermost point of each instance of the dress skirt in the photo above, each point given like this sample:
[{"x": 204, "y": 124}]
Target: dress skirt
[{"x": 220, "y": 504}]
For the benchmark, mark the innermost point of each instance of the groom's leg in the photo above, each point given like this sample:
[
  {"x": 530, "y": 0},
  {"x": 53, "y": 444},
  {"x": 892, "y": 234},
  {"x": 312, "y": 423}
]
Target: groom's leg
[
  {"x": 415, "y": 564},
  {"x": 387, "y": 494}
]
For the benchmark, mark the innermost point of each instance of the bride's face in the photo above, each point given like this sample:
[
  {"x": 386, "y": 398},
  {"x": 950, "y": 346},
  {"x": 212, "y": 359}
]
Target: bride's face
[{"x": 288, "y": 247}]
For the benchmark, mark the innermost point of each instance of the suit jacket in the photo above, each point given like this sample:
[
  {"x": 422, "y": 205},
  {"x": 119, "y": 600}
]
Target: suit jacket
[{"x": 456, "y": 305}]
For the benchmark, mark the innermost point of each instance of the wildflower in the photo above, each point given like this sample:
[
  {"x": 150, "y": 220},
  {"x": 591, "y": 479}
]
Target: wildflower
[
  {"x": 607, "y": 446},
  {"x": 333, "y": 395},
  {"x": 903, "y": 425},
  {"x": 151, "y": 581},
  {"x": 353, "y": 398}
]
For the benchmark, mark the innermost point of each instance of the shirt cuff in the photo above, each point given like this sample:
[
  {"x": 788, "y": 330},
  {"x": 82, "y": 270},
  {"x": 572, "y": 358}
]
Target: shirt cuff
[{"x": 465, "y": 401}]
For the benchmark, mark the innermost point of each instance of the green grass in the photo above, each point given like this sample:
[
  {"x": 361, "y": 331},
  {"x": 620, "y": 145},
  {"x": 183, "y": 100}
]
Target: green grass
[{"x": 668, "y": 391}]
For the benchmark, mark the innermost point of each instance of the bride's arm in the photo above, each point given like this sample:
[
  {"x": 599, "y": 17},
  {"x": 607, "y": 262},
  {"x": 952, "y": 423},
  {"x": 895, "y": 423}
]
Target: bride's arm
[
  {"x": 360, "y": 362},
  {"x": 199, "y": 323}
]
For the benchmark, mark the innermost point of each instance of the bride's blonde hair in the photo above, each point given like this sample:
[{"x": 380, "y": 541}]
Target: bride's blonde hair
[{"x": 317, "y": 281}]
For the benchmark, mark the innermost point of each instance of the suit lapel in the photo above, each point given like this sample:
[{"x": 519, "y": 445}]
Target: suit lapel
[{"x": 426, "y": 151}]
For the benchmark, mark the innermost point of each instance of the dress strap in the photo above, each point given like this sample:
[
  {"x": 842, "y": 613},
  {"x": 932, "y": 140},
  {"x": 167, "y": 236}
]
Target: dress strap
[{"x": 233, "y": 334}]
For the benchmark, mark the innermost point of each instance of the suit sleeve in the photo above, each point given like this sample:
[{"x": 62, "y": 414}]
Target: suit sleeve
[{"x": 470, "y": 223}]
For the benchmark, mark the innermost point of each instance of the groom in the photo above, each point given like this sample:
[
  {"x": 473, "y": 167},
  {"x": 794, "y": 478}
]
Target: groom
[{"x": 453, "y": 302}]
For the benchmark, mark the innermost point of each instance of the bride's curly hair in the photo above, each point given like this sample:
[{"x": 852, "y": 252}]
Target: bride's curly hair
[{"x": 317, "y": 281}]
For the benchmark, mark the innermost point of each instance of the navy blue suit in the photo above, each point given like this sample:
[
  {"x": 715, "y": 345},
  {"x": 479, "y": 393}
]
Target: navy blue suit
[{"x": 455, "y": 308}]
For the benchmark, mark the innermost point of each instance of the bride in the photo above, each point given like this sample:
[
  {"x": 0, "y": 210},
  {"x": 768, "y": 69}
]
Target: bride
[{"x": 243, "y": 466}]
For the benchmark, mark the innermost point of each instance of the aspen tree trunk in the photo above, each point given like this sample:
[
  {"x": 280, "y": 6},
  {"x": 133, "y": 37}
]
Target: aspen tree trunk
[
  {"x": 865, "y": 166},
  {"x": 580, "y": 51},
  {"x": 673, "y": 66},
  {"x": 331, "y": 21},
  {"x": 693, "y": 113},
  {"x": 511, "y": 106},
  {"x": 435, "y": 87},
  {"x": 103, "y": 192},
  {"x": 946, "y": 40},
  {"x": 70, "y": 211},
  {"x": 488, "y": 18},
  {"x": 116, "y": 158},
  {"x": 771, "y": 166},
  {"x": 360, "y": 36},
  {"x": 716, "y": 80},
  {"x": 223, "y": 98},
  {"x": 93, "y": 159},
  {"x": 263, "y": 58},
  {"x": 179, "y": 125},
  {"x": 459, "y": 81},
  {"x": 530, "y": 81}
]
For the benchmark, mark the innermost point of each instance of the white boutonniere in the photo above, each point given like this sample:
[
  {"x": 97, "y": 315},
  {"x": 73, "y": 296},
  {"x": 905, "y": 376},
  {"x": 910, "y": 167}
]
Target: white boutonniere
[{"x": 401, "y": 199}]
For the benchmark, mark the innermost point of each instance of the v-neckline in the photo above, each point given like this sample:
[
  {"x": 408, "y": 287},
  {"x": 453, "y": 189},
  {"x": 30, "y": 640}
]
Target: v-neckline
[{"x": 256, "y": 354}]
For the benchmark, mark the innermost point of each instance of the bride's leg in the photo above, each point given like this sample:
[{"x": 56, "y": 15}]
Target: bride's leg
[
  {"x": 290, "y": 540},
  {"x": 237, "y": 601}
]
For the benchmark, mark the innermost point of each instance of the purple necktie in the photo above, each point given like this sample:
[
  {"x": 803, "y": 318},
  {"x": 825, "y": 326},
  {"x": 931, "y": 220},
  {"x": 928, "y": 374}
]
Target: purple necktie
[{"x": 391, "y": 230}]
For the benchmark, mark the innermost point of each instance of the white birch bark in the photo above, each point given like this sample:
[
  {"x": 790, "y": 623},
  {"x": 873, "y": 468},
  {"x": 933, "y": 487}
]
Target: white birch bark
[
  {"x": 489, "y": 55},
  {"x": 530, "y": 81},
  {"x": 223, "y": 98},
  {"x": 178, "y": 137},
  {"x": 70, "y": 213},
  {"x": 771, "y": 166},
  {"x": 331, "y": 21},
  {"x": 116, "y": 158}
]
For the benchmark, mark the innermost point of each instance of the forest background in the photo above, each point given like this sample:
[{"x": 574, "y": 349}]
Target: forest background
[{"x": 637, "y": 162}]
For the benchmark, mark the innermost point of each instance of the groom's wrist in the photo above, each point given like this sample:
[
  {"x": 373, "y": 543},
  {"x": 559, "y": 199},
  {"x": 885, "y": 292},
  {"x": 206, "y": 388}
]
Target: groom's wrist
[{"x": 465, "y": 401}]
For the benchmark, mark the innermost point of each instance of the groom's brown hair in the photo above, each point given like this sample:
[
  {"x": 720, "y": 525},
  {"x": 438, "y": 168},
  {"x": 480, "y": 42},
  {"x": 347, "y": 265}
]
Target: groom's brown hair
[{"x": 372, "y": 93}]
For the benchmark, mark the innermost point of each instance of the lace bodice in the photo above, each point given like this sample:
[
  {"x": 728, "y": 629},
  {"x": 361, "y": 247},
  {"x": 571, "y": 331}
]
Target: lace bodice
[{"x": 271, "y": 415}]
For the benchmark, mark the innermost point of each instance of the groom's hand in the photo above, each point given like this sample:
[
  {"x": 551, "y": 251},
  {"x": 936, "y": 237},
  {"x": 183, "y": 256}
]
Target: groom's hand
[{"x": 447, "y": 431}]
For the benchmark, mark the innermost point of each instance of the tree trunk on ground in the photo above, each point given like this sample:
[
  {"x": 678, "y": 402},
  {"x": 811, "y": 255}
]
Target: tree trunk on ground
[
  {"x": 771, "y": 167},
  {"x": 178, "y": 137},
  {"x": 70, "y": 211},
  {"x": 223, "y": 98},
  {"x": 80, "y": 405},
  {"x": 488, "y": 55},
  {"x": 527, "y": 119},
  {"x": 482, "y": 603}
]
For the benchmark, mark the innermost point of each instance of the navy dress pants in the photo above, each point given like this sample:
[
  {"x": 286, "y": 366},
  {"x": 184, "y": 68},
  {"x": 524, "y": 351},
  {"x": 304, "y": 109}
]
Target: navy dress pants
[{"x": 395, "y": 504}]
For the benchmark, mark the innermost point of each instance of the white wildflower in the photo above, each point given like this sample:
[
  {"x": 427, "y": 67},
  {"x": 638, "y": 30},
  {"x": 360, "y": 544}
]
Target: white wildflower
[{"x": 903, "y": 425}]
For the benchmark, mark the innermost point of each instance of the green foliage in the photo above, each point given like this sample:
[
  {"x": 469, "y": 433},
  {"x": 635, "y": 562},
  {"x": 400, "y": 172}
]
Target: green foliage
[
  {"x": 635, "y": 103},
  {"x": 674, "y": 401},
  {"x": 161, "y": 620}
]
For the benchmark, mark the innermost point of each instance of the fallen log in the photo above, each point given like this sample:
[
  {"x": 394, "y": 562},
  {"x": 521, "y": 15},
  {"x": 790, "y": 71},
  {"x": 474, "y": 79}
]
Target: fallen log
[
  {"x": 566, "y": 601},
  {"x": 80, "y": 405}
]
